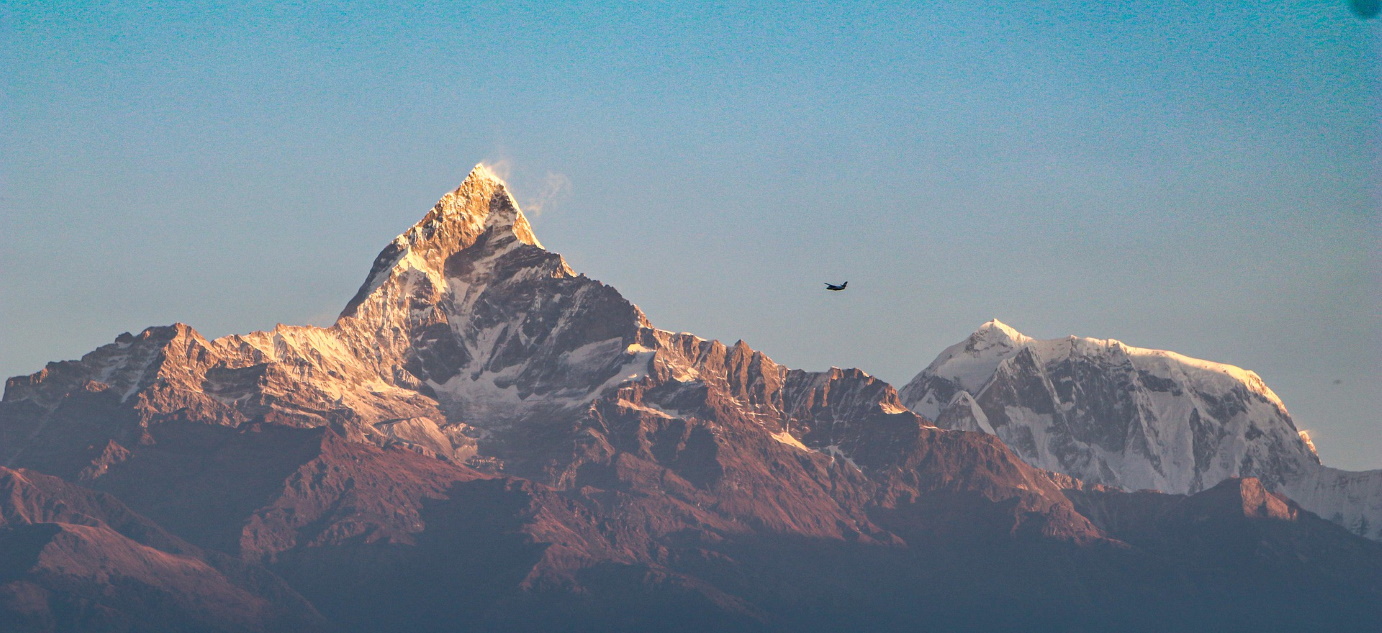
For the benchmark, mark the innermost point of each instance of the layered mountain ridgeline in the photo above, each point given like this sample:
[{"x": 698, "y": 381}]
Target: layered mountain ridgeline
[
  {"x": 77, "y": 560},
  {"x": 1236, "y": 531},
  {"x": 488, "y": 440},
  {"x": 1136, "y": 418}
]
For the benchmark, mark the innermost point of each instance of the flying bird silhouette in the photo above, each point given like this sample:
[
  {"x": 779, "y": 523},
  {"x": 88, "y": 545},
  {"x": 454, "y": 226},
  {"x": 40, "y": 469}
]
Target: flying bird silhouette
[{"x": 830, "y": 286}]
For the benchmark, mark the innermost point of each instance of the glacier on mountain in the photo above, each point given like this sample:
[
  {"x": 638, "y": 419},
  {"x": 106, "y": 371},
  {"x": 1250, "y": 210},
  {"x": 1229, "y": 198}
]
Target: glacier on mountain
[{"x": 1135, "y": 418}]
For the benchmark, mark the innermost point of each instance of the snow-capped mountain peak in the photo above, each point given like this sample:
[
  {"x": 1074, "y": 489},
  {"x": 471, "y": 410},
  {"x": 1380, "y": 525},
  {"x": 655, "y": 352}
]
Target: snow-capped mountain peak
[
  {"x": 482, "y": 201},
  {"x": 1113, "y": 413},
  {"x": 481, "y": 204},
  {"x": 1132, "y": 417},
  {"x": 965, "y": 366},
  {"x": 998, "y": 330}
]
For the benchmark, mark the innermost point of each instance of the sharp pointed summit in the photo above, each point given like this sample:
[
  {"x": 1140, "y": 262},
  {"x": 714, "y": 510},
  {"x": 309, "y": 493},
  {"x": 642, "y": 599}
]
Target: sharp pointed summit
[
  {"x": 481, "y": 205},
  {"x": 481, "y": 202}
]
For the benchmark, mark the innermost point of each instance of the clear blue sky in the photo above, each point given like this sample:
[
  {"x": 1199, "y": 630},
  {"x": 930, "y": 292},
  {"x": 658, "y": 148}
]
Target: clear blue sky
[{"x": 1194, "y": 176}]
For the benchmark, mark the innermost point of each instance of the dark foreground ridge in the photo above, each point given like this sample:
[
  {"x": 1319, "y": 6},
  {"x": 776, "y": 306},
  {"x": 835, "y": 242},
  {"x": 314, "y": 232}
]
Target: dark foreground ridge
[{"x": 487, "y": 440}]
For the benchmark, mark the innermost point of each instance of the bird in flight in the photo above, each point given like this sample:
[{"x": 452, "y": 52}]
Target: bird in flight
[{"x": 830, "y": 286}]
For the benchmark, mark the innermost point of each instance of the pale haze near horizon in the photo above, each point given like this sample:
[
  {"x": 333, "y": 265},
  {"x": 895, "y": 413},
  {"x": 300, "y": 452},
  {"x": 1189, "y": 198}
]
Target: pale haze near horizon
[{"x": 1195, "y": 178}]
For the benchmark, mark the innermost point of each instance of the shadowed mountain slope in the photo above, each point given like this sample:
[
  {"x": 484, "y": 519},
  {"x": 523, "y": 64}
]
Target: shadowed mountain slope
[{"x": 76, "y": 560}]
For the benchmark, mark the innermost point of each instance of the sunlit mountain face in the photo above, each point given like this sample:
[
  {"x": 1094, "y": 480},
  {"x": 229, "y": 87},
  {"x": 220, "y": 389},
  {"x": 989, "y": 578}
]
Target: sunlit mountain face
[{"x": 487, "y": 439}]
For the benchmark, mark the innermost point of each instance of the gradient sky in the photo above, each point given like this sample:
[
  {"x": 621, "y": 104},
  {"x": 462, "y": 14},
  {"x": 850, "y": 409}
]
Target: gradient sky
[{"x": 1194, "y": 176}]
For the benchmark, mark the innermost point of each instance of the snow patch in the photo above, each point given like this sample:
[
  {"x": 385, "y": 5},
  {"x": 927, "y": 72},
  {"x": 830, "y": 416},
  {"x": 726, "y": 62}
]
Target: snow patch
[
  {"x": 786, "y": 438},
  {"x": 889, "y": 407},
  {"x": 624, "y": 402},
  {"x": 835, "y": 453}
]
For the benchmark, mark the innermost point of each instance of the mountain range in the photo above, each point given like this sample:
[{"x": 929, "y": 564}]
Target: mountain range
[{"x": 488, "y": 440}]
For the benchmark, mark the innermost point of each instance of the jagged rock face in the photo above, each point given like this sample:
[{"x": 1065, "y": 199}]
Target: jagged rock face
[
  {"x": 1133, "y": 418},
  {"x": 296, "y": 376},
  {"x": 469, "y": 308},
  {"x": 464, "y": 317}
]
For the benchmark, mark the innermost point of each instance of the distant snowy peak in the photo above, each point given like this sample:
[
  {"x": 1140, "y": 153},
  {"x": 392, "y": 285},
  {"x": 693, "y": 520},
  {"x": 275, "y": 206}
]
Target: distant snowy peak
[
  {"x": 998, "y": 331},
  {"x": 965, "y": 366},
  {"x": 971, "y": 364},
  {"x": 1109, "y": 413}
]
